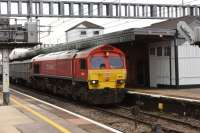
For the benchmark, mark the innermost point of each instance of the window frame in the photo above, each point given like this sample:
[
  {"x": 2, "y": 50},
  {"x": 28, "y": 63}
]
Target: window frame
[
  {"x": 83, "y": 32},
  {"x": 167, "y": 51},
  {"x": 121, "y": 62},
  {"x": 152, "y": 51},
  {"x": 96, "y": 32},
  {"x": 159, "y": 51}
]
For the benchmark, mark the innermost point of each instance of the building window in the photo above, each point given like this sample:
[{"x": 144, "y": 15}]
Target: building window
[
  {"x": 159, "y": 51},
  {"x": 167, "y": 51},
  {"x": 83, "y": 64},
  {"x": 96, "y": 32},
  {"x": 152, "y": 51},
  {"x": 83, "y": 32}
]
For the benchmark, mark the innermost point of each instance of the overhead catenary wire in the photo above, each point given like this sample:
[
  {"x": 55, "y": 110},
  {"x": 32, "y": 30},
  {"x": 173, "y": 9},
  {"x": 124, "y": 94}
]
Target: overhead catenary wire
[
  {"x": 96, "y": 9},
  {"x": 84, "y": 13},
  {"x": 69, "y": 20},
  {"x": 117, "y": 25},
  {"x": 121, "y": 23},
  {"x": 89, "y": 11},
  {"x": 118, "y": 20},
  {"x": 189, "y": 2},
  {"x": 110, "y": 27},
  {"x": 60, "y": 24},
  {"x": 128, "y": 21}
]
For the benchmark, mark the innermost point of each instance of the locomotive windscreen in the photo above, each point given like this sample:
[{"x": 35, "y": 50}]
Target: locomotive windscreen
[
  {"x": 115, "y": 62},
  {"x": 112, "y": 61},
  {"x": 98, "y": 62}
]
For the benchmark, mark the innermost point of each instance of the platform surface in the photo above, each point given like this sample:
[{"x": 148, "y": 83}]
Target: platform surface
[
  {"x": 26, "y": 115},
  {"x": 190, "y": 93}
]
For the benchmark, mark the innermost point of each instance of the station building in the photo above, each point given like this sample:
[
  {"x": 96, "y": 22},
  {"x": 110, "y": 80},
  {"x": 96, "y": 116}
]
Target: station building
[
  {"x": 159, "y": 56},
  {"x": 83, "y": 30}
]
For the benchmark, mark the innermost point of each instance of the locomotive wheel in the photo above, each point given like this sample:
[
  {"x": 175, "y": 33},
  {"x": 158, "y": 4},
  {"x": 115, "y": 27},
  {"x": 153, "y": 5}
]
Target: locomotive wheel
[
  {"x": 75, "y": 93},
  {"x": 84, "y": 93}
]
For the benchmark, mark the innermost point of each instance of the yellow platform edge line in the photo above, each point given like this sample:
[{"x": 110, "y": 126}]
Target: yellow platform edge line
[{"x": 39, "y": 115}]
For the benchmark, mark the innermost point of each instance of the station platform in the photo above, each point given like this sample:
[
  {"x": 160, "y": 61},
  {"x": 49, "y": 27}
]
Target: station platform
[
  {"x": 180, "y": 102},
  {"x": 186, "y": 93},
  {"x": 29, "y": 115}
]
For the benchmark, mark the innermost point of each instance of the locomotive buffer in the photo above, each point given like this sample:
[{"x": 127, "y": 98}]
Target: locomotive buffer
[{"x": 14, "y": 36}]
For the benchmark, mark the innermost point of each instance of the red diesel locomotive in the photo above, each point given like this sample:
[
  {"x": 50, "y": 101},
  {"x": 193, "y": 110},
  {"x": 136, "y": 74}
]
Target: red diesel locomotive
[{"x": 96, "y": 75}]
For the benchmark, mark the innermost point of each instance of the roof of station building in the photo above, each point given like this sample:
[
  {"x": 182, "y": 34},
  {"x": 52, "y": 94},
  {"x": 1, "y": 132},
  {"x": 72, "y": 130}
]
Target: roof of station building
[{"x": 87, "y": 24}]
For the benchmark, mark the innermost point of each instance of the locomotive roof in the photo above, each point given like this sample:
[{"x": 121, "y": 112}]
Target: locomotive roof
[
  {"x": 68, "y": 54},
  {"x": 55, "y": 55},
  {"x": 86, "y": 52}
]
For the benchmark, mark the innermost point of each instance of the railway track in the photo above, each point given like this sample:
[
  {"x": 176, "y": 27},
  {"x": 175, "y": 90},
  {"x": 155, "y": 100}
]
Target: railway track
[
  {"x": 157, "y": 123},
  {"x": 192, "y": 124},
  {"x": 149, "y": 119}
]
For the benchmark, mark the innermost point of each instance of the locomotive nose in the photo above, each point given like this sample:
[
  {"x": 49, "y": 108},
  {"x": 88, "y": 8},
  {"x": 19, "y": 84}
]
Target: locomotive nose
[{"x": 107, "y": 79}]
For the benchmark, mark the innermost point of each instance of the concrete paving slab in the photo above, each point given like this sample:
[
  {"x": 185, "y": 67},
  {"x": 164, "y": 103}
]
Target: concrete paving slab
[
  {"x": 37, "y": 127},
  {"x": 12, "y": 116},
  {"x": 72, "y": 126},
  {"x": 8, "y": 129},
  {"x": 58, "y": 113},
  {"x": 78, "y": 121}
]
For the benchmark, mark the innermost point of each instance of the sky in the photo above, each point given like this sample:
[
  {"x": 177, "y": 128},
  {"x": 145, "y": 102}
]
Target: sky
[{"x": 60, "y": 25}]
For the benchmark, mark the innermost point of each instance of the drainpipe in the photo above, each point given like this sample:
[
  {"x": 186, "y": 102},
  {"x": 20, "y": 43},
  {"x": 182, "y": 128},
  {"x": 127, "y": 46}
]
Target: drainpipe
[
  {"x": 176, "y": 62},
  {"x": 170, "y": 65}
]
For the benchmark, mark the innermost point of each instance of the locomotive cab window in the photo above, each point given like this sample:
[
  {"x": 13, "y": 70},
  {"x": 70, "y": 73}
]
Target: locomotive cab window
[
  {"x": 97, "y": 62},
  {"x": 115, "y": 62},
  {"x": 83, "y": 64}
]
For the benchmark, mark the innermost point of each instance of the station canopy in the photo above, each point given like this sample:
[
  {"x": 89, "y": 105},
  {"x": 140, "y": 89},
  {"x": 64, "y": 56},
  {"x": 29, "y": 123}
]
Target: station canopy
[{"x": 147, "y": 34}]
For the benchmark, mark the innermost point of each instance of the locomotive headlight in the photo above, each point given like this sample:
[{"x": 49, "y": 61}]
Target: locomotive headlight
[
  {"x": 120, "y": 81},
  {"x": 94, "y": 82},
  {"x": 107, "y": 54}
]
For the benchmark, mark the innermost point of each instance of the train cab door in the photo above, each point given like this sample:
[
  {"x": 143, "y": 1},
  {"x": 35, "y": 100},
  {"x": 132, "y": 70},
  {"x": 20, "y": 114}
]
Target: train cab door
[
  {"x": 83, "y": 69},
  {"x": 79, "y": 69}
]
